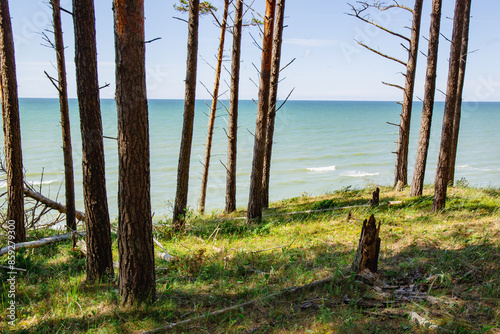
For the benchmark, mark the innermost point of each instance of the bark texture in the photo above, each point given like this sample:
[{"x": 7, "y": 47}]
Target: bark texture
[
  {"x": 401, "y": 175},
  {"x": 181, "y": 194},
  {"x": 213, "y": 109},
  {"x": 460, "y": 87},
  {"x": 368, "y": 248},
  {"x": 135, "y": 227},
  {"x": 441, "y": 181},
  {"x": 69, "y": 180},
  {"x": 11, "y": 125},
  {"x": 254, "y": 210},
  {"x": 417, "y": 184},
  {"x": 98, "y": 237},
  {"x": 273, "y": 96},
  {"x": 232, "y": 132}
]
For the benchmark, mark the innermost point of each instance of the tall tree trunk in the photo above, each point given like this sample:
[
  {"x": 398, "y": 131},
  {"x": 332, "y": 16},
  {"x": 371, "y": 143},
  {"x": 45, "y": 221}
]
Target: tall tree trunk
[
  {"x": 417, "y": 184},
  {"x": 98, "y": 237},
  {"x": 255, "y": 198},
  {"x": 11, "y": 125},
  {"x": 135, "y": 227},
  {"x": 273, "y": 96},
  {"x": 181, "y": 195},
  {"x": 461, "y": 80},
  {"x": 69, "y": 180},
  {"x": 232, "y": 131},
  {"x": 441, "y": 181},
  {"x": 213, "y": 109},
  {"x": 401, "y": 175}
]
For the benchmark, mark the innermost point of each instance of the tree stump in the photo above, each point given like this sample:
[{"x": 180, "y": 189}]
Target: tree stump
[
  {"x": 368, "y": 247},
  {"x": 375, "y": 198}
]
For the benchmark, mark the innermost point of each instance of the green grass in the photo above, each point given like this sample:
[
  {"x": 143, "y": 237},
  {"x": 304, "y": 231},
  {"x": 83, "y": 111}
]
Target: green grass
[{"x": 221, "y": 262}]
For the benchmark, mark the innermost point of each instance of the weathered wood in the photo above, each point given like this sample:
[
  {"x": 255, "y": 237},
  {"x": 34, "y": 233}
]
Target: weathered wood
[
  {"x": 41, "y": 242},
  {"x": 368, "y": 247},
  {"x": 375, "y": 198},
  {"x": 51, "y": 204}
]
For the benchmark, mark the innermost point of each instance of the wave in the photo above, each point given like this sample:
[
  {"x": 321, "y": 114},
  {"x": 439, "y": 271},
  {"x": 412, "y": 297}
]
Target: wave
[
  {"x": 358, "y": 174},
  {"x": 479, "y": 169},
  {"x": 322, "y": 169},
  {"x": 3, "y": 183}
]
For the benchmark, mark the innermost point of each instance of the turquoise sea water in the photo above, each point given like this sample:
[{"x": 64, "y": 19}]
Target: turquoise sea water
[{"x": 320, "y": 146}]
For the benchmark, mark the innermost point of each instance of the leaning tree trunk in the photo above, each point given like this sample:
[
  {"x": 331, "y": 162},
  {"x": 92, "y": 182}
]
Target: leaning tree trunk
[
  {"x": 181, "y": 195},
  {"x": 441, "y": 181},
  {"x": 213, "y": 109},
  {"x": 401, "y": 175},
  {"x": 11, "y": 125},
  {"x": 273, "y": 96},
  {"x": 232, "y": 131},
  {"x": 69, "y": 180},
  {"x": 98, "y": 237},
  {"x": 254, "y": 210},
  {"x": 417, "y": 184},
  {"x": 135, "y": 228},
  {"x": 461, "y": 80}
]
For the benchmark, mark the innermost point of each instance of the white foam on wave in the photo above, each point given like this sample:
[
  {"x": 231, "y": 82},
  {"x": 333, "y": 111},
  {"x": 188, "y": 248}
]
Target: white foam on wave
[
  {"x": 479, "y": 169},
  {"x": 322, "y": 169},
  {"x": 3, "y": 183},
  {"x": 355, "y": 173}
]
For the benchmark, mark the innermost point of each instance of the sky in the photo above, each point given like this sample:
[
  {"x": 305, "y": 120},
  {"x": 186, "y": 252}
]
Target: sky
[{"x": 319, "y": 35}]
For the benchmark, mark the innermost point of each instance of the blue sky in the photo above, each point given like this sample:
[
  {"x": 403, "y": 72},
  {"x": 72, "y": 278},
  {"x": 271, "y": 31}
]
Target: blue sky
[{"x": 328, "y": 66}]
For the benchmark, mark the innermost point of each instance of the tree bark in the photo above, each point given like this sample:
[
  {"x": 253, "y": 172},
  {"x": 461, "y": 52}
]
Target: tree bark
[
  {"x": 460, "y": 87},
  {"x": 181, "y": 195},
  {"x": 441, "y": 181},
  {"x": 213, "y": 109},
  {"x": 254, "y": 210},
  {"x": 273, "y": 96},
  {"x": 368, "y": 248},
  {"x": 232, "y": 132},
  {"x": 135, "y": 227},
  {"x": 11, "y": 125},
  {"x": 401, "y": 177},
  {"x": 69, "y": 180},
  {"x": 98, "y": 237},
  {"x": 417, "y": 184}
]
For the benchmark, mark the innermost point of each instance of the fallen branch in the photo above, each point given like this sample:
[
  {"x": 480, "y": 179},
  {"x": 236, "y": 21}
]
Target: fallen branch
[
  {"x": 50, "y": 203},
  {"x": 39, "y": 243},
  {"x": 12, "y": 268}
]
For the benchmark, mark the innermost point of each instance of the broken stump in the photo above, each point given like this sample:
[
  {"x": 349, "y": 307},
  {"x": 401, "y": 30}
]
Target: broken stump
[
  {"x": 375, "y": 198},
  {"x": 368, "y": 248}
]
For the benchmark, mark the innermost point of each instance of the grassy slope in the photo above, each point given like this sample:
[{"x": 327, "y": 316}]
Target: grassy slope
[{"x": 220, "y": 263}]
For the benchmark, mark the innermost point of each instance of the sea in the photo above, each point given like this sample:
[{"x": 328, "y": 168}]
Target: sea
[{"x": 319, "y": 147}]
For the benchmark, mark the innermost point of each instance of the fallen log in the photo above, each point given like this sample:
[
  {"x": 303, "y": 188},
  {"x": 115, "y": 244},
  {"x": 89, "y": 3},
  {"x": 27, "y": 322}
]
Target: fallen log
[
  {"x": 50, "y": 203},
  {"x": 39, "y": 243}
]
